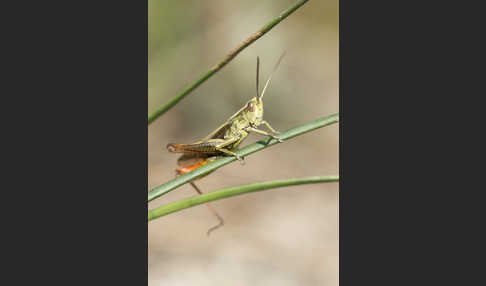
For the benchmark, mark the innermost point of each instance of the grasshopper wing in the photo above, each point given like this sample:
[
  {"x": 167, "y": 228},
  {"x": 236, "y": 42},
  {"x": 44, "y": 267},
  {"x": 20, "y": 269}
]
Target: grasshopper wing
[
  {"x": 219, "y": 132},
  {"x": 201, "y": 147}
]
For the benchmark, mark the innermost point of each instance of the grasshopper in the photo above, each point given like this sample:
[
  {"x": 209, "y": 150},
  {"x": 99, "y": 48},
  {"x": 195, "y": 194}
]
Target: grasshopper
[{"x": 227, "y": 137}]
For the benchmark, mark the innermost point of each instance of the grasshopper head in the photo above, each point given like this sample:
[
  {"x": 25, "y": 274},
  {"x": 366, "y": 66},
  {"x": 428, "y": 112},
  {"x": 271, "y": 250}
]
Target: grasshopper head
[
  {"x": 254, "y": 110},
  {"x": 254, "y": 107}
]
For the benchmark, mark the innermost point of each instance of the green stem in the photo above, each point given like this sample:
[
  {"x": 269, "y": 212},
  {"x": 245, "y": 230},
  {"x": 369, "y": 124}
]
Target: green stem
[
  {"x": 250, "y": 149},
  {"x": 226, "y": 60},
  {"x": 234, "y": 191}
]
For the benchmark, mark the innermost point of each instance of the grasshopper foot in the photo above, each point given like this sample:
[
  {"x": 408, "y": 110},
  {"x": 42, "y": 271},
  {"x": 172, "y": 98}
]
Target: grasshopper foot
[
  {"x": 241, "y": 159},
  {"x": 278, "y": 139}
]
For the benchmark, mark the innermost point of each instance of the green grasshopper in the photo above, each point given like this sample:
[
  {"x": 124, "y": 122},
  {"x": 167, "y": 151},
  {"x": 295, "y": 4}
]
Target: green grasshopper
[{"x": 226, "y": 138}]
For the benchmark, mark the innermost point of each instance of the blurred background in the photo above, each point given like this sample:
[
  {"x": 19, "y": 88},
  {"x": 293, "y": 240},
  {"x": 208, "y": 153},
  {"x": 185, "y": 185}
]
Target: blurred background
[{"x": 286, "y": 236}]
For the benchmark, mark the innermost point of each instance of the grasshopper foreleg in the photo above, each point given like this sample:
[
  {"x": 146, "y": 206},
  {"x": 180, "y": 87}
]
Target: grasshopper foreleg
[
  {"x": 261, "y": 132},
  {"x": 270, "y": 127}
]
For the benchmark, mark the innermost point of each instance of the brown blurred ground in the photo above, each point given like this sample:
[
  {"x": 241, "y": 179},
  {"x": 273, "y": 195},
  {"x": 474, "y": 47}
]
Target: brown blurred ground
[{"x": 286, "y": 236}]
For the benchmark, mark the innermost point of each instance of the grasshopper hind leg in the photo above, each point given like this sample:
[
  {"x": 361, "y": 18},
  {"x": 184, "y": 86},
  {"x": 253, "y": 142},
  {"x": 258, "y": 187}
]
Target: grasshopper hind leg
[
  {"x": 189, "y": 162},
  {"x": 222, "y": 148},
  {"x": 211, "y": 209},
  {"x": 226, "y": 151}
]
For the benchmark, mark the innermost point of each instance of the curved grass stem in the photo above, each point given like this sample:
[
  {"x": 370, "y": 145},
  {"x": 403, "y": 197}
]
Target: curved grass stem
[{"x": 234, "y": 191}]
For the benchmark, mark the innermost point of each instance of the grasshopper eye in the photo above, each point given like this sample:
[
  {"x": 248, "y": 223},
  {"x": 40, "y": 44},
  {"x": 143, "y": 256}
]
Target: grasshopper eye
[{"x": 251, "y": 106}]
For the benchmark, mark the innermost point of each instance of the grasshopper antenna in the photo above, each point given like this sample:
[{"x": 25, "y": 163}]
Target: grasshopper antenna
[
  {"x": 270, "y": 77},
  {"x": 210, "y": 207},
  {"x": 257, "y": 75}
]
